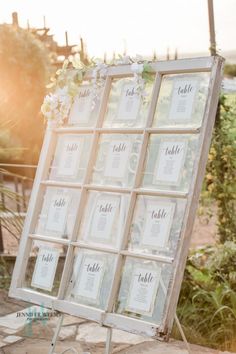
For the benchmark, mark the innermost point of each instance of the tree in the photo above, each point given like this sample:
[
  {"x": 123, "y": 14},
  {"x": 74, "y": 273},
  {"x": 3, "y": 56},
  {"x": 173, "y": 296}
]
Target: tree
[{"x": 24, "y": 71}]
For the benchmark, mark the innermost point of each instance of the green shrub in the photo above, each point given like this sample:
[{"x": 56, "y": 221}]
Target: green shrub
[
  {"x": 207, "y": 305},
  {"x": 221, "y": 170}
]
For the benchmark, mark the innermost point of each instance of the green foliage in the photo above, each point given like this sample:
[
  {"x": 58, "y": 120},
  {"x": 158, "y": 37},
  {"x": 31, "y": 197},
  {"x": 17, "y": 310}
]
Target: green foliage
[
  {"x": 24, "y": 69},
  {"x": 221, "y": 176},
  {"x": 230, "y": 70},
  {"x": 8, "y": 147},
  {"x": 5, "y": 274},
  {"x": 207, "y": 305}
]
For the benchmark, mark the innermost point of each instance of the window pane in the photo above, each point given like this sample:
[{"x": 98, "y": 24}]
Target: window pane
[
  {"x": 58, "y": 213},
  {"x": 45, "y": 266},
  {"x": 182, "y": 100},
  {"x": 143, "y": 288},
  {"x": 71, "y": 157},
  {"x": 104, "y": 218},
  {"x": 117, "y": 159},
  {"x": 156, "y": 225},
  {"x": 169, "y": 162},
  {"x": 128, "y": 104},
  {"x": 92, "y": 278},
  {"x": 85, "y": 107}
]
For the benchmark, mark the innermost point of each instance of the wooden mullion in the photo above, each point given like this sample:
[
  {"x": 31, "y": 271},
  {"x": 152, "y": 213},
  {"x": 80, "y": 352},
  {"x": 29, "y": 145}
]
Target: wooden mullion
[
  {"x": 90, "y": 246},
  {"x": 174, "y": 130},
  {"x": 80, "y": 310},
  {"x": 63, "y": 184},
  {"x": 103, "y": 188},
  {"x": 148, "y": 256},
  {"x": 74, "y": 130},
  {"x": 130, "y": 324},
  {"x": 161, "y": 193},
  {"x": 51, "y": 239},
  {"x": 68, "y": 265}
]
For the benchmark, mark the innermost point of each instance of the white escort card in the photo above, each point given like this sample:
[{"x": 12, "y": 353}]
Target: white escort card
[
  {"x": 45, "y": 268},
  {"x": 57, "y": 213},
  {"x": 129, "y": 103},
  {"x": 82, "y": 107},
  {"x": 69, "y": 157},
  {"x": 90, "y": 278},
  {"x": 117, "y": 158},
  {"x": 158, "y": 221},
  {"x": 103, "y": 217},
  {"x": 143, "y": 290},
  {"x": 182, "y": 100},
  {"x": 170, "y": 162}
]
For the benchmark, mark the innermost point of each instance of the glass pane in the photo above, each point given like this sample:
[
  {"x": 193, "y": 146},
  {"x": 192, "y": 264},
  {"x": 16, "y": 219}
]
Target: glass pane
[
  {"x": 45, "y": 267},
  {"x": 71, "y": 157},
  {"x": 117, "y": 159},
  {"x": 104, "y": 218},
  {"x": 143, "y": 288},
  {"x": 156, "y": 225},
  {"x": 169, "y": 162},
  {"x": 85, "y": 107},
  {"x": 128, "y": 105},
  {"x": 58, "y": 213},
  {"x": 182, "y": 99},
  {"x": 92, "y": 278}
]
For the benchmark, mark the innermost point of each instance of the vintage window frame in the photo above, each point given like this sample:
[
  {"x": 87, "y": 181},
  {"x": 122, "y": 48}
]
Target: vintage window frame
[{"x": 107, "y": 317}]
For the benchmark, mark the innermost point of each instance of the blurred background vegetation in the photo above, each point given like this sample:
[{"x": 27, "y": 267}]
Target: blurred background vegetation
[{"x": 25, "y": 67}]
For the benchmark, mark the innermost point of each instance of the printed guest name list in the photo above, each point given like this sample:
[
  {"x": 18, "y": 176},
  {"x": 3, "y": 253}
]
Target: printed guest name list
[
  {"x": 182, "y": 101},
  {"x": 91, "y": 276},
  {"x": 170, "y": 162},
  {"x": 45, "y": 268},
  {"x": 103, "y": 218},
  {"x": 57, "y": 212},
  {"x": 158, "y": 221},
  {"x": 82, "y": 107},
  {"x": 143, "y": 289},
  {"x": 117, "y": 158},
  {"x": 129, "y": 103},
  {"x": 70, "y": 156}
]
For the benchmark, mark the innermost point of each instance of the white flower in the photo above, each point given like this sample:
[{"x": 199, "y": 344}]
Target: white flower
[
  {"x": 137, "y": 68},
  {"x": 56, "y": 105}
]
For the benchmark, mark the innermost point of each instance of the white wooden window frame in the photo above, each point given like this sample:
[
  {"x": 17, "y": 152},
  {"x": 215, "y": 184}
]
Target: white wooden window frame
[{"x": 107, "y": 317}]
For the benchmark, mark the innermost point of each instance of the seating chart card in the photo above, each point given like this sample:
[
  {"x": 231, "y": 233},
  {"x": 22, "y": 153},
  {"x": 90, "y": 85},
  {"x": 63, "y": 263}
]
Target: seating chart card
[
  {"x": 129, "y": 104},
  {"x": 70, "y": 157},
  {"x": 90, "y": 278},
  {"x": 103, "y": 217},
  {"x": 182, "y": 101},
  {"x": 57, "y": 214},
  {"x": 158, "y": 221},
  {"x": 45, "y": 268},
  {"x": 143, "y": 289},
  {"x": 170, "y": 162},
  {"x": 117, "y": 158},
  {"x": 82, "y": 107}
]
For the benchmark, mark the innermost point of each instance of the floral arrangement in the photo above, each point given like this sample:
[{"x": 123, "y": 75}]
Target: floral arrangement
[{"x": 65, "y": 84}]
